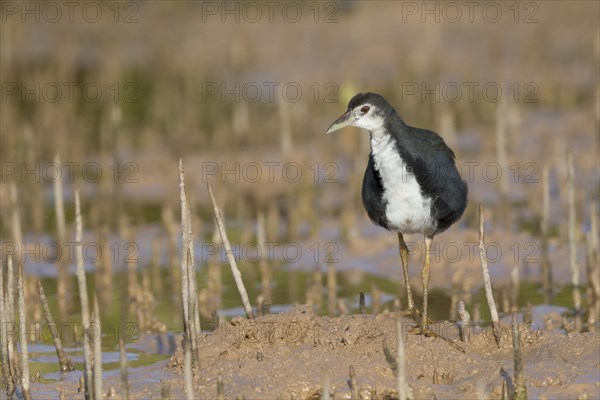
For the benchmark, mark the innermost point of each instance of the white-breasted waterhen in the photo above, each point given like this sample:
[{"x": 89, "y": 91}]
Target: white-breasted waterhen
[{"x": 411, "y": 184}]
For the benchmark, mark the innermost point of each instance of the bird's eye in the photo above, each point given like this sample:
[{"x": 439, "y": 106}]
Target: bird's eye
[{"x": 365, "y": 109}]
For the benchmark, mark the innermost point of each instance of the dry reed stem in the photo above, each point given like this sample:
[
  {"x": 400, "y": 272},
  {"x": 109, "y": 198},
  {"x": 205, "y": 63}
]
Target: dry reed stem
[
  {"x": 593, "y": 286},
  {"x": 195, "y": 318},
  {"x": 273, "y": 222},
  {"x": 155, "y": 269},
  {"x": 332, "y": 302},
  {"x": 3, "y": 323},
  {"x": 353, "y": 385},
  {"x": 486, "y": 277},
  {"x": 191, "y": 315},
  {"x": 314, "y": 292},
  {"x": 61, "y": 230},
  {"x": 16, "y": 221},
  {"x": 263, "y": 264},
  {"x": 376, "y": 298},
  {"x": 237, "y": 275},
  {"x": 83, "y": 296},
  {"x": 515, "y": 280},
  {"x": 59, "y": 205},
  {"x": 520, "y": 387},
  {"x": 23, "y": 335},
  {"x": 187, "y": 371},
  {"x": 501, "y": 155},
  {"x": 10, "y": 340},
  {"x": 97, "y": 351},
  {"x": 504, "y": 298},
  {"x": 103, "y": 270},
  {"x": 593, "y": 253},
  {"x": 342, "y": 307},
  {"x": 573, "y": 240},
  {"x": 528, "y": 314},
  {"x": 124, "y": 372},
  {"x": 453, "y": 299},
  {"x": 65, "y": 362},
  {"x": 220, "y": 387},
  {"x": 283, "y": 111},
  {"x": 173, "y": 255},
  {"x": 465, "y": 322},
  {"x": 326, "y": 388},
  {"x": 361, "y": 303},
  {"x": 477, "y": 312},
  {"x": 402, "y": 389},
  {"x": 546, "y": 268}
]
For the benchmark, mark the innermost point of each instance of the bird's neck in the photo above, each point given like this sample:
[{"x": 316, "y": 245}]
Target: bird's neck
[
  {"x": 380, "y": 139},
  {"x": 385, "y": 145}
]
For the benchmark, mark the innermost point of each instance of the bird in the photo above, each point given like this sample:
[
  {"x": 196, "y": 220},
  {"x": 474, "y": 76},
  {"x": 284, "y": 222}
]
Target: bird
[{"x": 411, "y": 183}]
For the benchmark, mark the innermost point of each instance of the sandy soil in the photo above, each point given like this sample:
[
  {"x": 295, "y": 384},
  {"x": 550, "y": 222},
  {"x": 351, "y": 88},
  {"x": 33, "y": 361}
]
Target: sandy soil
[{"x": 290, "y": 355}]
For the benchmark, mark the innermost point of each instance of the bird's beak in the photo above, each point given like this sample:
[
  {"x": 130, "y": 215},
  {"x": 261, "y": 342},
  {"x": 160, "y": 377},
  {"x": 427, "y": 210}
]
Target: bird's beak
[{"x": 344, "y": 120}]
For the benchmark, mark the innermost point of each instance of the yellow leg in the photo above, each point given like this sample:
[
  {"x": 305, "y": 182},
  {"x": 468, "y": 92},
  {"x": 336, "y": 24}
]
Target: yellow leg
[
  {"x": 425, "y": 276},
  {"x": 404, "y": 258}
]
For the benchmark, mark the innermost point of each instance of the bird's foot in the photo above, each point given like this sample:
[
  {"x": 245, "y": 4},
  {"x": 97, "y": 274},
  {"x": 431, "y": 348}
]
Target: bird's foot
[
  {"x": 414, "y": 314},
  {"x": 419, "y": 330}
]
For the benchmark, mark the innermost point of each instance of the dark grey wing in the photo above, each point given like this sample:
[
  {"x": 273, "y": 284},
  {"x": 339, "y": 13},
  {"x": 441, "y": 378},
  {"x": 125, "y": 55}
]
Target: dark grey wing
[
  {"x": 434, "y": 167},
  {"x": 372, "y": 195}
]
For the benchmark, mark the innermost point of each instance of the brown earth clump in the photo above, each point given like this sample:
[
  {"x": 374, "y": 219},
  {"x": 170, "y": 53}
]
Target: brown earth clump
[{"x": 291, "y": 355}]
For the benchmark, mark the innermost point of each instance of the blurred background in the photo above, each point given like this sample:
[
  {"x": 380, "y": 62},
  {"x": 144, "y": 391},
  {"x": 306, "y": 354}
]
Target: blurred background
[{"x": 107, "y": 96}]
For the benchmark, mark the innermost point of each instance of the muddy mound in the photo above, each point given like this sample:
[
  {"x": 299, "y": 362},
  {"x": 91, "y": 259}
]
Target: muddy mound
[{"x": 292, "y": 355}]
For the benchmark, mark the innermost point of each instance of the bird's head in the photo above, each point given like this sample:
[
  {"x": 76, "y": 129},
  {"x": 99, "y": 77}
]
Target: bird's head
[{"x": 365, "y": 110}]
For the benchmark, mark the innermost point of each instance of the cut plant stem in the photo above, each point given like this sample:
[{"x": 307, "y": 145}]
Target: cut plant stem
[
  {"x": 402, "y": 389},
  {"x": 263, "y": 264},
  {"x": 332, "y": 303},
  {"x": 353, "y": 384},
  {"x": 237, "y": 275},
  {"x": 465, "y": 321},
  {"x": 592, "y": 270},
  {"x": 187, "y": 371},
  {"x": 220, "y": 387},
  {"x": 97, "y": 345},
  {"x": 501, "y": 156},
  {"x": 16, "y": 221},
  {"x": 23, "y": 334},
  {"x": 124, "y": 372},
  {"x": 191, "y": 316},
  {"x": 520, "y": 388},
  {"x": 62, "y": 286},
  {"x": 572, "y": 240},
  {"x": 376, "y": 298},
  {"x": 64, "y": 361},
  {"x": 59, "y": 205},
  {"x": 546, "y": 268},
  {"x": 83, "y": 296},
  {"x": 326, "y": 388},
  {"x": 3, "y": 324},
  {"x": 486, "y": 278},
  {"x": 10, "y": 320},
  {"x": 361, "y": 303}
]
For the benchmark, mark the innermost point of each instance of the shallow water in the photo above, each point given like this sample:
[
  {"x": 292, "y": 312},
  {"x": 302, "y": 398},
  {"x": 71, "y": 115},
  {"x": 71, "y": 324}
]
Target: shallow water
[{"x": 289, "y": 287}]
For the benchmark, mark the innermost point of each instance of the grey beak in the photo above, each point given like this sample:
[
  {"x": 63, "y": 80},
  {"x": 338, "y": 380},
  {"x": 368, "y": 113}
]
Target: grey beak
[{"x": 344, "y": 120}]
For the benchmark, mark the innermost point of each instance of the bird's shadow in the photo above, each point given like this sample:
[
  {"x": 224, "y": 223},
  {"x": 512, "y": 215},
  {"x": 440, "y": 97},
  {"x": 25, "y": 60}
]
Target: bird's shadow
[{"x": 389, "y": 357}]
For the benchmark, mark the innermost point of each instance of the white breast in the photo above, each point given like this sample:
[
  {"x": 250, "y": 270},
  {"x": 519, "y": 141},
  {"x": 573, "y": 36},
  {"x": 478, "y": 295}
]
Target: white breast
[{"x": 407, "y": 210}]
